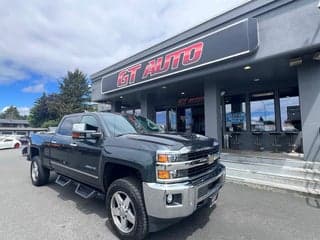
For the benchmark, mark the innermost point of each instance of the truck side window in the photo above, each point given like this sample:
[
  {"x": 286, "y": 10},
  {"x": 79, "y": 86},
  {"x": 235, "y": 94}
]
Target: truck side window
[
  {"x": 91, "y": 123},
  {"x": 66, "y": 125}
]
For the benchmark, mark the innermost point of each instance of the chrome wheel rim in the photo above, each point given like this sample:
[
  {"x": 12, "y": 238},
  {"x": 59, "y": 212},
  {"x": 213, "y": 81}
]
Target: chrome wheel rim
[
  {"x": 34, "y": 171},
  {"x": 123, "y": 212}
]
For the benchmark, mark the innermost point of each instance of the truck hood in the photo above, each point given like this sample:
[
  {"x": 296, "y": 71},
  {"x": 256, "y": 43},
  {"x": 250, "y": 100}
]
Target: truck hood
[{"x": 172, "y": 141}]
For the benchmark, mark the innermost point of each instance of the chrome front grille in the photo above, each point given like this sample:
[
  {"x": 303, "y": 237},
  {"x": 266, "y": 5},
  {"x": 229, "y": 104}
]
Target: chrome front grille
[
  {"x": 195, "y": 165},
  {"x": 192, "y": 172},
  {"x": 200, "y": 154}
]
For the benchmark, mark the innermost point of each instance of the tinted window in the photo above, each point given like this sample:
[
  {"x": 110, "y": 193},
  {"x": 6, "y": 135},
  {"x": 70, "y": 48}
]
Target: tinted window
[
  {"x": 8, "y": 140},
  {"x": 91, "y": 123},
  {"x": 66, "y": 126}
]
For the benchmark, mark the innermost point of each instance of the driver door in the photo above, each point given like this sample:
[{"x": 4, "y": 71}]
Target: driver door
[{"x": 87, "y": 153}]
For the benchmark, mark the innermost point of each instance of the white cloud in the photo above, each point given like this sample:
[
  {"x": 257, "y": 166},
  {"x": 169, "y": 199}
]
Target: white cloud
[
  {"x": 37, "y": 88},
  {"x": 9, "y": 72},
  {"x": 51, "y": 37},
  {"x": 24, "y": 111},
  {"x": 5, "y": 108}
]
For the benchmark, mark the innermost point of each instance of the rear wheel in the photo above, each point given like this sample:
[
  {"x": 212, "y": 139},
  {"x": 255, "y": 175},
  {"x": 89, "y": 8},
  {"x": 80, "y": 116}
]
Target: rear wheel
[
  {"x": 17, "y": 145},
  {"x": 39, "y": 174},
  {"x": 126, "y": 210}
]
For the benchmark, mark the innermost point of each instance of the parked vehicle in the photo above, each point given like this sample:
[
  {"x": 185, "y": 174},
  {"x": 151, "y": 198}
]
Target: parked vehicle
[
  {"x": 24, "y": 140},
  {"x": 9, "y": 142},
  {"x": 150, "y": 180}
]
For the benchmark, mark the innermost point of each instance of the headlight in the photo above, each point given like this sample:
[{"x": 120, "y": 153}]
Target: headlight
[
  {"x": 181, "y": 165},
  {"x": 166, "y": 158},
  {"x": 214, "y": 157},
  {"x": 171, "y": 157}
]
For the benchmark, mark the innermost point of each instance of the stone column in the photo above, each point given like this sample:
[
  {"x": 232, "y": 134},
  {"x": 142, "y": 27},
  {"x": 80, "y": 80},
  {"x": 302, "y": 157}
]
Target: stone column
[
  {"x": 309, "y": 90},
  {"x": 212, "y": 110},
  {"x": 116, "y": 107},
  {"x": 147, "y": 107}
]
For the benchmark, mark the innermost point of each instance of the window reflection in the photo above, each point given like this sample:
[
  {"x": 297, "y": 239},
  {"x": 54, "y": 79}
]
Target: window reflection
[
  {"x": 290, "y": 110},
  {"x": 172, "y": 120},
  {"x": 161, "y": 119},
  {"x": 262, "y": 112},
  {"x": 235, "y": 107}
]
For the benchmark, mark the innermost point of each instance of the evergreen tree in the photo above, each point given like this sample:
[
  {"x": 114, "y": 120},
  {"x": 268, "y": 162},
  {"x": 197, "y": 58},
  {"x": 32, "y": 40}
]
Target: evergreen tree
[
  {"x": 74, "y": 93},
  {"x": 45, "y": 109},
  {"x": 73, "y": 96},
  {"x": 11, "y": 113}
]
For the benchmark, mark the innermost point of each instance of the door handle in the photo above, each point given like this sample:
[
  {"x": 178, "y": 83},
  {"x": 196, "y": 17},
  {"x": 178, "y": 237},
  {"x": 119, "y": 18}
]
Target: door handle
[
  {"x": 53, "y": 141},
  {"x": 73, "y": 144}
]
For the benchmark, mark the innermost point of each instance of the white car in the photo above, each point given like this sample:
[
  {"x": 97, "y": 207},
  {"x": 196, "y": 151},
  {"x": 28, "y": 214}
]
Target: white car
[{"x": 9, "y": 142}]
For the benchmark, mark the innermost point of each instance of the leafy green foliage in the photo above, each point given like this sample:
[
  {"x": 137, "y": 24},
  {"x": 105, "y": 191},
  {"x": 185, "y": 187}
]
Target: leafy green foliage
[
  {"x": 45, "y": 109},
  {"x": 73, "y": 95},
  {"x": 12, "y": 113},
  {"x": 50, "y": 123}
]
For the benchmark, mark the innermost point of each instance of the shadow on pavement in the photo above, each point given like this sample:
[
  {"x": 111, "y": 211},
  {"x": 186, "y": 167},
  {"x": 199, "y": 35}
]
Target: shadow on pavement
[
  {"x": 87, "y": 206},
  {"x": 179, "y": 231},
  {"x": 184, "y": 229}
]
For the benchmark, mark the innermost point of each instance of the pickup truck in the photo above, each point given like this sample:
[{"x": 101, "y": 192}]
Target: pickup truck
[{"x": 149, "y": 180}]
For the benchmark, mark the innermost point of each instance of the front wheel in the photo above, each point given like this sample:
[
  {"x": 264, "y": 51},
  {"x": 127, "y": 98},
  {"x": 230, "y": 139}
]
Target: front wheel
[
  {"x": 17, "y": 145},
  {"x": 39, "y": 174},
  {"x": 126, "y": 210}
]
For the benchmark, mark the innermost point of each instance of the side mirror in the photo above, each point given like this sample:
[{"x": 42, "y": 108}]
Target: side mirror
[{"x": 79, "y": 131}]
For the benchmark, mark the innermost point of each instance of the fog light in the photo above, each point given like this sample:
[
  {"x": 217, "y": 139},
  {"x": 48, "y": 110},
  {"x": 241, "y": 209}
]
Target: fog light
[{"x": 169, "y": 198}]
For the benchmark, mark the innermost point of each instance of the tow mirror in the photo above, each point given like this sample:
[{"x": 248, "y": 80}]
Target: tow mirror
[{"x": 79, "y": 131}]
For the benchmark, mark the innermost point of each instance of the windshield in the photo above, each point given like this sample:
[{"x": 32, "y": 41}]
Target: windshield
[
  {"x": 148, "y": 125},
  {"x": 117, "y": 124},
  {"x": 142, "y": 124}
]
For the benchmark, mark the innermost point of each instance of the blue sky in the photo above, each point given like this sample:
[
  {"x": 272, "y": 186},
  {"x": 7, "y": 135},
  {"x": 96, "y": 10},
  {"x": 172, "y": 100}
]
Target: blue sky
[{"x": 42, "y": 40}]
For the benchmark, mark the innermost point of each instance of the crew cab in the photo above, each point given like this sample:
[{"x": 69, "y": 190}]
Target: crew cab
[{"x": 150, "y": 180}]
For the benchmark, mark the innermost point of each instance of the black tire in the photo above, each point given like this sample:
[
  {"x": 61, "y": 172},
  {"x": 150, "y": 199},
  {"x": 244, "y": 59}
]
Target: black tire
[
  {"x": 43, "y": 174},
  {"x": 131, "y": 187}
]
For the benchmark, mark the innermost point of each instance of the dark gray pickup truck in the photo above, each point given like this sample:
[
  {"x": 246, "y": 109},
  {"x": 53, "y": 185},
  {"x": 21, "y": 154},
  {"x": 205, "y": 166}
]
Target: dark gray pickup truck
[{"x": 150, "y": 180}]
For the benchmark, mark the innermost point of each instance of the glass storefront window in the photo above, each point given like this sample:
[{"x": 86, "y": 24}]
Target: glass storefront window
[
  {"x": 188, "y": 119},
  {"x": 262, "y": 112},
  {"x": 290, "y": 110},
  {"x": 161, "y": 119},
  {"x": 235, "y": 108},
  {"x": 172, "y": 120}
]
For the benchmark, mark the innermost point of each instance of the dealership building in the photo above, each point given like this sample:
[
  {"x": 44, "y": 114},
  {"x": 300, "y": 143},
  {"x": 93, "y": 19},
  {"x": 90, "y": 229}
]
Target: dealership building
[{"x": 249, "y": 77}]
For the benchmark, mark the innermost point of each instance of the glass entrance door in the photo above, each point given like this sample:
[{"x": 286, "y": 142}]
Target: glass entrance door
[
  {"x": 191, "y": 119},
  {"x": 167, "y": 119}
]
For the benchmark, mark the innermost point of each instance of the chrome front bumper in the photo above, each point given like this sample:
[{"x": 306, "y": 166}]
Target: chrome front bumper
[{"x": 192, "y": 196}]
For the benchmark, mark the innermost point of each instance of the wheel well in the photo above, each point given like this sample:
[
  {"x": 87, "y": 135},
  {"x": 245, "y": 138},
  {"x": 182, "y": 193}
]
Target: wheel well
[
  {"x": 34, "y": 152},
  {"x": 115, "y": 171}
]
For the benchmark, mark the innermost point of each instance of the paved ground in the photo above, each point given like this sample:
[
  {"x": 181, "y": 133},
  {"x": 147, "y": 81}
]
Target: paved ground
[{"x": 52, "y": 212}]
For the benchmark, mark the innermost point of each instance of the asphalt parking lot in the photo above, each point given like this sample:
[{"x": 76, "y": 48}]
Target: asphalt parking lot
[{"x": 53, "y": 212}]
